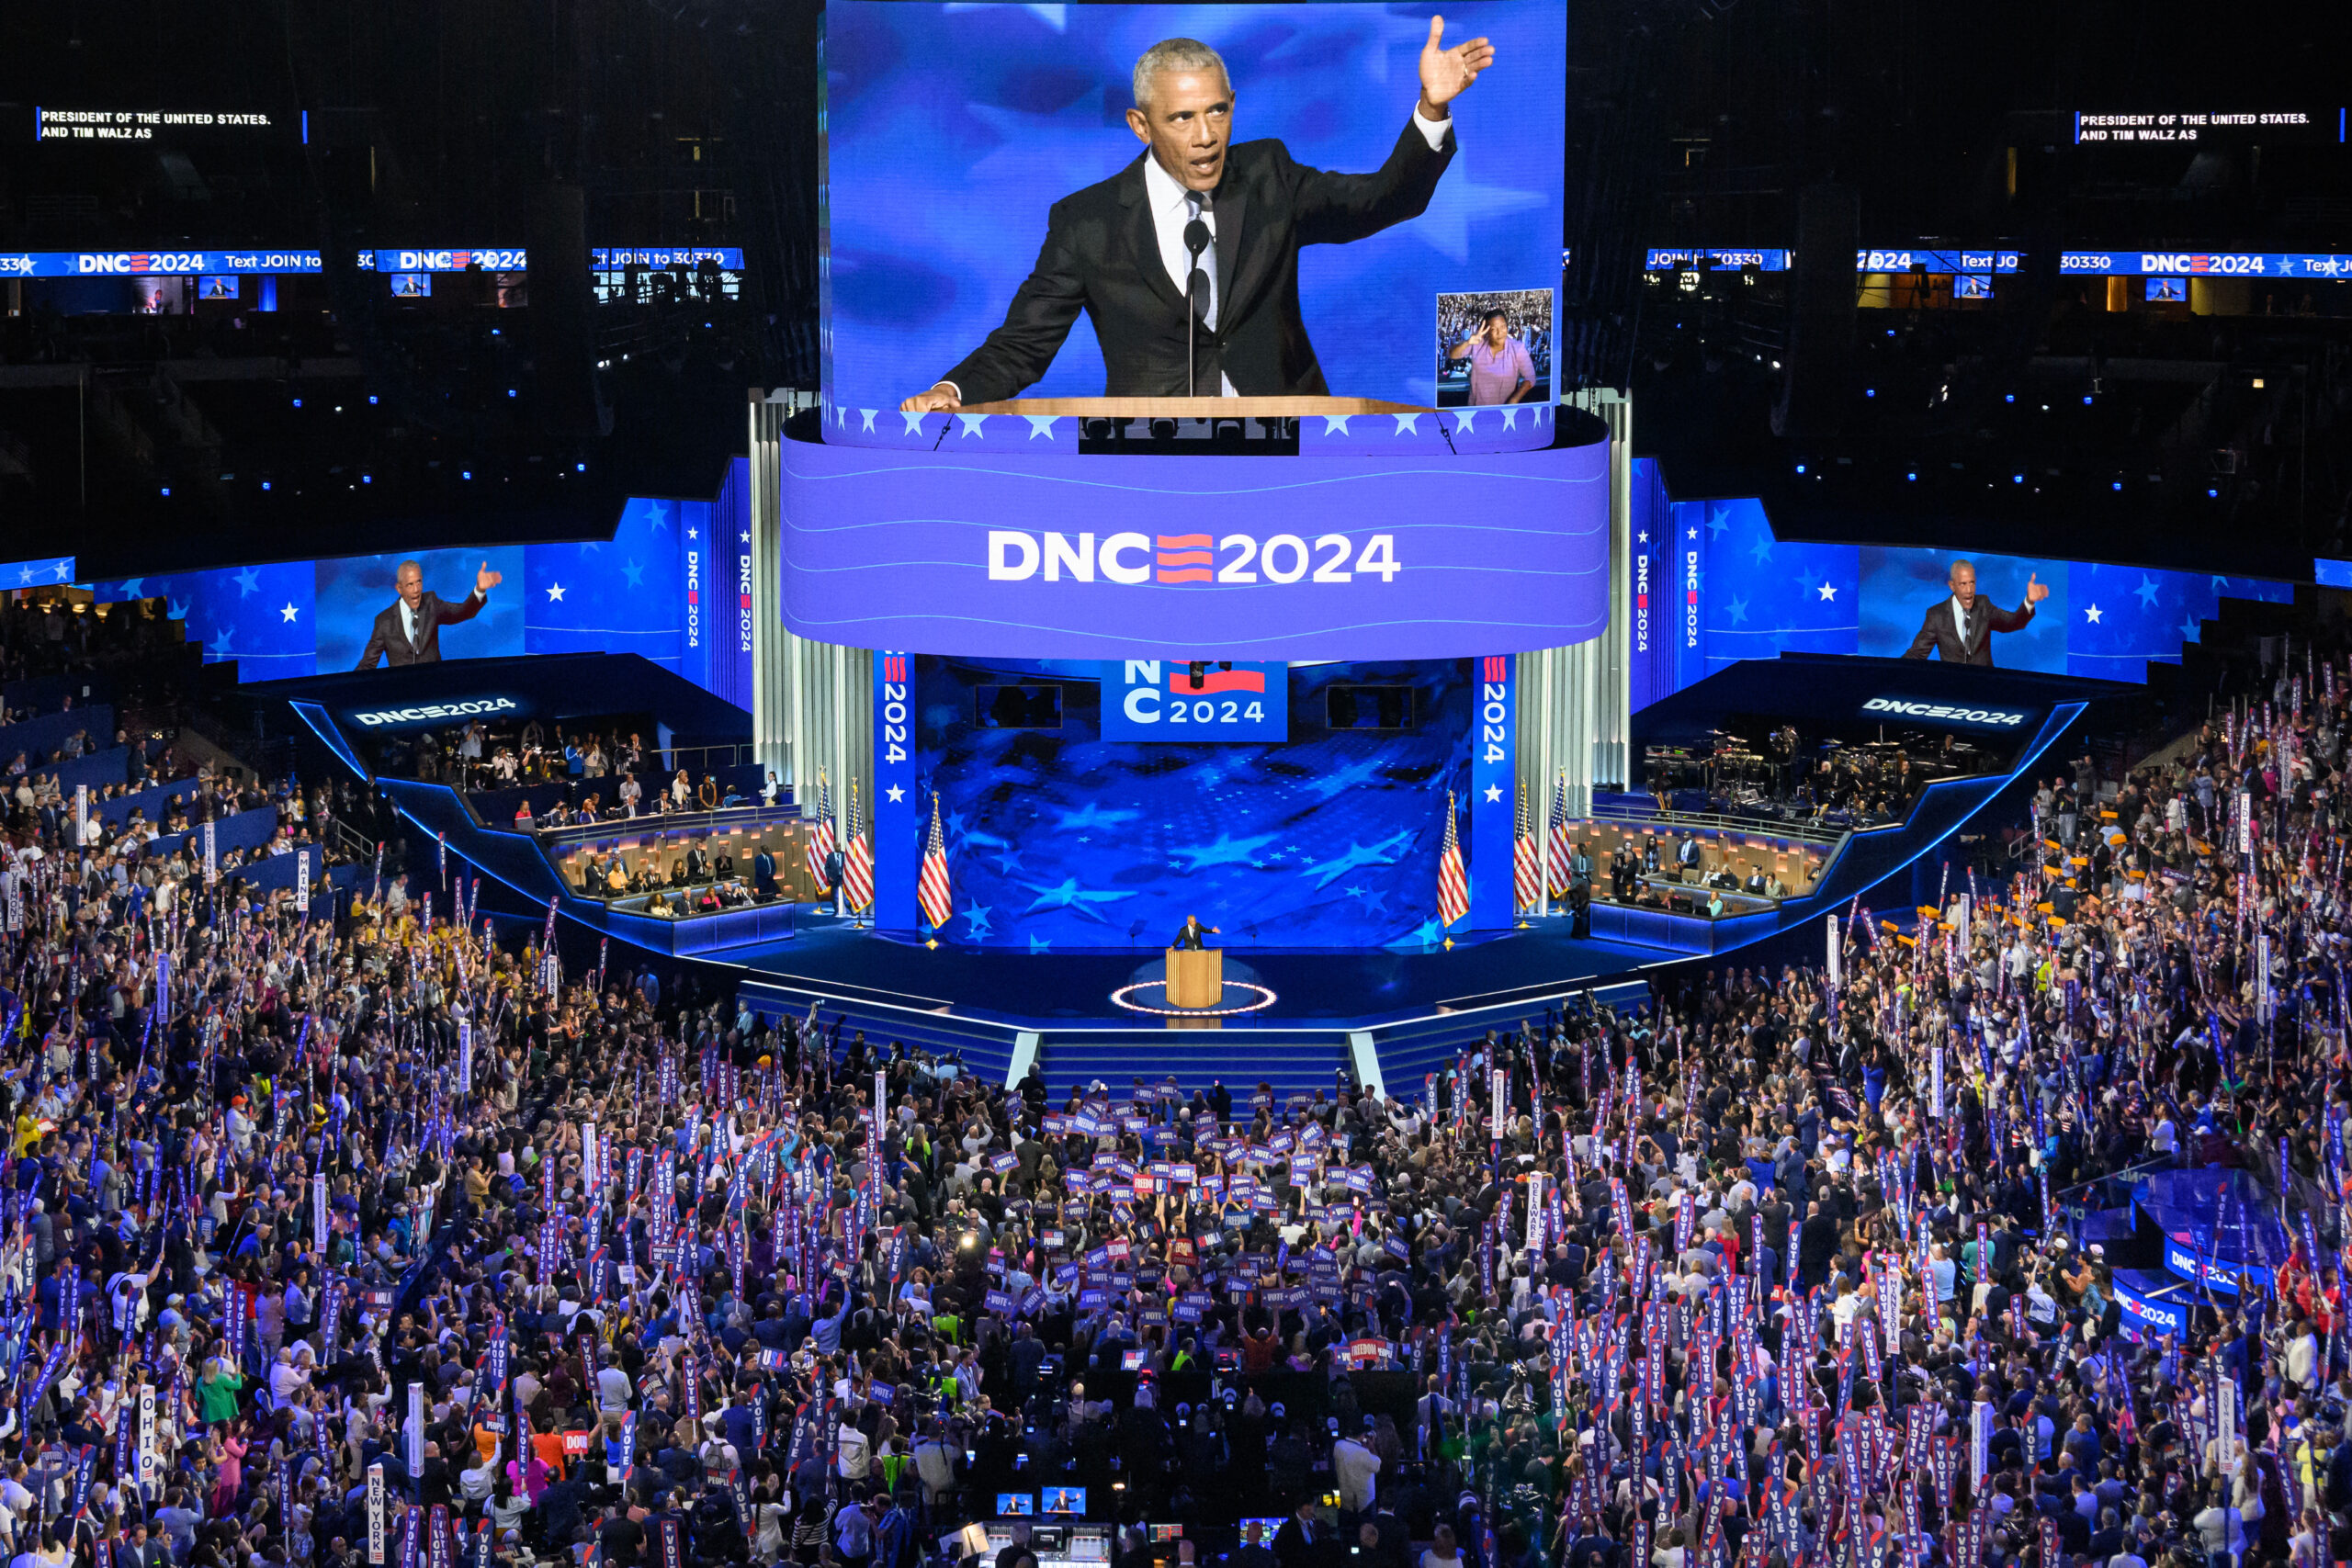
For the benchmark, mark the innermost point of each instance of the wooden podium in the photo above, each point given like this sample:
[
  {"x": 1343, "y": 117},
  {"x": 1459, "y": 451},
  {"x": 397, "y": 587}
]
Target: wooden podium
[{"x": 1195, "y": 977}]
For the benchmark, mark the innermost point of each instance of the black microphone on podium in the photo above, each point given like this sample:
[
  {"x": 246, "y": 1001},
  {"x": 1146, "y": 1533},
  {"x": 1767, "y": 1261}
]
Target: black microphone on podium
[{"x": 1196, "y": 304}]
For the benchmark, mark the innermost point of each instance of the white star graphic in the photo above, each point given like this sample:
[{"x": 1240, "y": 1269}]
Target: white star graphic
[
  {"x": 64, "y": 570},
  {"x": 555, "y": 592},
  {"x": 745, "y": 535},
  {"x": 1407, "y": 424},
  {"x": 288, "y": 613},
  {"x": 915, "y": 422},
  {"x": 1493, "y": 795},
  {"x": 24, "y": 574},
  {"x": 896, "y": 793},
  {"x": 1335, "y": 424},
  {"x": 1694, "y": 533},
  {"x": 694, "y": 532},
  {"x": 1041, "y": 424},
  {"x": 1466, "y": 420},
  {"x": 1828, "y": 590},
  {"x": 1646, "y": 536},
  {"x": 866, "y": 415},
  {"x": 971, "y": 423},
  {"x": 2092, "y": 615}
]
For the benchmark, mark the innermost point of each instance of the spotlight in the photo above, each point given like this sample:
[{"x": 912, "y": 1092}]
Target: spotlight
[{"x": 298, "y": 402}]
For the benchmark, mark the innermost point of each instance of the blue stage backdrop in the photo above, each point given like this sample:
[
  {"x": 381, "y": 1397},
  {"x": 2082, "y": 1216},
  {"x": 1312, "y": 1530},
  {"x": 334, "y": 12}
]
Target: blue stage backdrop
[
  {"x": 950, "y": 130},
  {"x": 1058, "y": 838},
  {"x": 1737, "y": 592}
]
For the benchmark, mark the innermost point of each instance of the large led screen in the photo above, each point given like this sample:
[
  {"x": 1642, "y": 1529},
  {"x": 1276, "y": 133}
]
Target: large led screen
[
  {"x": 671, "y": 583},
  {"x": 1714, "y": 585},
  {"x": 953, "y": 130}
]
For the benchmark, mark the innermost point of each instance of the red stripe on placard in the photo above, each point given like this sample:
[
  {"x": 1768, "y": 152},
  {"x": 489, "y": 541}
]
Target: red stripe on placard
[
  {"x": 1192, "y": 574},
  {"x": 1180, "y": 680}
]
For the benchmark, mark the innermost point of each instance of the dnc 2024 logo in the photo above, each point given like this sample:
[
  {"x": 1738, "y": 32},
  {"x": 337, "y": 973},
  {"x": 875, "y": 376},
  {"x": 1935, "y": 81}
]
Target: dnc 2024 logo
[{"x": 1016, "y": 556}]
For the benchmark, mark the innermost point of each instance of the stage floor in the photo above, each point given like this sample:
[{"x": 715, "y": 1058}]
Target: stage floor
[{"x": 1316, "y": 990}]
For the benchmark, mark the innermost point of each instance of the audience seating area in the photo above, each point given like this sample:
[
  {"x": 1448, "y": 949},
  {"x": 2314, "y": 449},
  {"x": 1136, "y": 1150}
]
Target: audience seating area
[{"x": 678, "y": 866}]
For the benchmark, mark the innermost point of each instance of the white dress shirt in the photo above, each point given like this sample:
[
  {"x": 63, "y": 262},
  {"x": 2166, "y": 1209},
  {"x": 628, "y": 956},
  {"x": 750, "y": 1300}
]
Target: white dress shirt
[
  {"x": 408, "y": 622},
  {"x": 1960, "y": 625},
  {"x": 1172, "y": 211}
]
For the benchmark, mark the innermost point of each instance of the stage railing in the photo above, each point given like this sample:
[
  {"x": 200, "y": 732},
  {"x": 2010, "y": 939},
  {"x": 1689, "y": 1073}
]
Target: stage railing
[{"x": 1780, "y": 827}]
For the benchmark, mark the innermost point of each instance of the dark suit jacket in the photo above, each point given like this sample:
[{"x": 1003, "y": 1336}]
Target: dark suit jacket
[
  {"x": 1189, "y": 937},
  {"x": 390, "y": 642},
  {"x": 1940, "y": 633},
  {"x": 1102, "y": 256}
]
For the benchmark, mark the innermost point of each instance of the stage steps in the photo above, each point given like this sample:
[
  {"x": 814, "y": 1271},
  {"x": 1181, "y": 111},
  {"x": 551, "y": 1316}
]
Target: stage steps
[
  {"x": 985, "y": 1049},
  {"x": 1409, "y": 1051},
  {"x": 1293, "y": 1062}
]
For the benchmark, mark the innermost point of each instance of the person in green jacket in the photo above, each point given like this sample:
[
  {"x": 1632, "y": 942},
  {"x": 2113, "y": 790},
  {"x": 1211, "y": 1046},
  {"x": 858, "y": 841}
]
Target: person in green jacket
[{"x": 216, "y": 1392}]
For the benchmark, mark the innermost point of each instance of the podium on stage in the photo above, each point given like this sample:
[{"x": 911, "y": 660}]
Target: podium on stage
[{"x": 1195, "y": 976}]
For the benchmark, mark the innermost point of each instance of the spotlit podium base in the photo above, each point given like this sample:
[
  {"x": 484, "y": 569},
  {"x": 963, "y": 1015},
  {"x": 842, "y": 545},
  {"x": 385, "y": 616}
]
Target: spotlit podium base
[{"x": 1195, "y": 977}]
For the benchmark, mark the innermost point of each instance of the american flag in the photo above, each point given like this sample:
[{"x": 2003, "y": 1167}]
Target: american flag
[
  {"x": 821, "y": 834},
  {"x": 1526, "y": 858},
  {"x": 1452, "y": 887},
  {"x": 857, "y": 861},
  {"x": 1563, "y": 865},
  {"x": 931, "y": 888}
]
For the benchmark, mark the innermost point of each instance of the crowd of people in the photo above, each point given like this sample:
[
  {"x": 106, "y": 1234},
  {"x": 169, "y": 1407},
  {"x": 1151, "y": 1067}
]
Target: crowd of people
[{"x": 379, "y": 1240}]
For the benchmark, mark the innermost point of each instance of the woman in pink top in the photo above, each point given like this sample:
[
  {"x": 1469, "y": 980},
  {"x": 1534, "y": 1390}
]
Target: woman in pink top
[
  {"x": 229, "y": 1469},
  {"x": 1500, "y": 369}
]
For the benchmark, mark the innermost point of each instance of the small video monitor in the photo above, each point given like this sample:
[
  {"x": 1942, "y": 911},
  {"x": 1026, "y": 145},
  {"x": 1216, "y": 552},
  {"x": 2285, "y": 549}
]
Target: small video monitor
[
  {"x": 1167, "y": 1533},
  {"x": 1016, "y": 1505},
  {"x": 1259, "y": 1532},
  {"x": 2167, "y": 291},
  {"x": 1064, "y": 1500},
  {"x": 1090, "y": 1544},
  {"x": 1971, "y": 286}
]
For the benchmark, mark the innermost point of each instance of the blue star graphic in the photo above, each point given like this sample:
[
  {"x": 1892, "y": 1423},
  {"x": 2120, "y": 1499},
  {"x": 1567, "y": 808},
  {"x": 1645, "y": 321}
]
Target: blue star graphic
[
  {"x": 1718, "y": 520},
  {"x": 220, "y": 645},
  {"x": 1382, "y": 854},
  {"x": 130, "y": 586},
  {"x": 1762, "y": 550},
  {"x": 1805, "y": 580},
  {"x": 247, "y": 582},
  {"x": 1226, "y": 851},
  {"x": 977, "y": 914},
  {"x": 1427, "y": 933},
  {"x": 1460, "y": 202},
  {"x": 1092, "y": 815},
  {"x": 634, "y": 572},
  {"x": 1069, "y": 895},
  {"x": 657, "y": 514},
  {"x": 2146, "y": 590},
  {"x": 1739, "y": 610},
  {"x": 2191, "y": 629},
  {"x": 1040, "y": 943},
  {"x": 1008, "y": 859}
]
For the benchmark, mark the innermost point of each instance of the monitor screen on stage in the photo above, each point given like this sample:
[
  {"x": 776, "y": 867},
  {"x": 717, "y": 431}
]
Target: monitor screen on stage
[
  {"x": 1716, "y": 586},
  {"x": 988, "y": 214}
]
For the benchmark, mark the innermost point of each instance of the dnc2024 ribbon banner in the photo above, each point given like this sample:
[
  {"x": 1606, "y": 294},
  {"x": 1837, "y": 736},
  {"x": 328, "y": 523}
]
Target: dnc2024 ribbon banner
[{"x": 992, "y": 551}]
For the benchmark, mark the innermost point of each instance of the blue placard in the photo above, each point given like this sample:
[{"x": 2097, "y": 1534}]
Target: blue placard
[
  {"x": 1494, "y": 791},
  {"x": 1177, "y": 699},
  {"x": 2326, "y": 573},
  {"x": 899, "y": 819}
]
